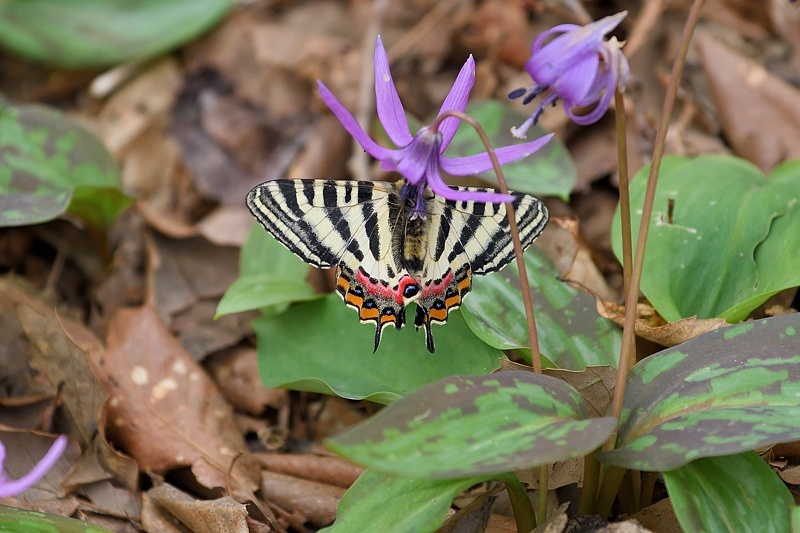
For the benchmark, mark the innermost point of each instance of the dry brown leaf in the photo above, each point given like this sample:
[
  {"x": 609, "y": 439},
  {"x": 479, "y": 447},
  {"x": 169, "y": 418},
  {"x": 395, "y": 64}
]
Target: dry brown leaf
[
  {"x": 62, "y": 363},
  {"x": 560, "y": 474},
  {"x": 659, "y": 517},
  {"x": 760, "y": 113},
  {"x": 201, "y": 516},
  {"x": 323, "y": 469},
  {"x": 29, "y": 412},
  {"x": 24, "y": 450},
  {"x": 310, "y": 501},
  {"x": 564, "y": 246},
  {"x": 595, "y": 383},
  {"x": 102, "y": 462},
  {"x": 790, "y": 474},
  {"x": 163, "y": 409},
  {"x": 108, "y": 499},
  {"x": 236, "y": 372},
  {"x": 226, "y": 225},
  {"x": 649, "y": 325}
]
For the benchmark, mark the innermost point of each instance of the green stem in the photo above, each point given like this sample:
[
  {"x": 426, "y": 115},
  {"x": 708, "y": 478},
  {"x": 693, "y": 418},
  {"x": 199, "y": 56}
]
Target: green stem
[
  {"x": 591, "y": 480},
  {"x": 520, "y": 503},
  {"x": 612, "y": 479},
  {"x": 648, "y": 485}
]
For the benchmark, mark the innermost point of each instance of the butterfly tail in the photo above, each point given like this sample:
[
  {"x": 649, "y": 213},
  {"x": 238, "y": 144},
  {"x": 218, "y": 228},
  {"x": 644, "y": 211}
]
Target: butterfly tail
[{"x": 422, "y": 320}]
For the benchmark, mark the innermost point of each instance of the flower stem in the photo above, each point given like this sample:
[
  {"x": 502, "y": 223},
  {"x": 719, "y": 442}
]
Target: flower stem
[
  {"x": 624, "y": 193},
  {"x": 523, "y": 512},
  {"x": 533, "y": 337},
  {"x": 632, "y": 295}
]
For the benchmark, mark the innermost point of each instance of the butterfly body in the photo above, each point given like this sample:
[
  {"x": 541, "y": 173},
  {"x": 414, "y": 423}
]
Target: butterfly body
[{"x": 386, "y": 252}]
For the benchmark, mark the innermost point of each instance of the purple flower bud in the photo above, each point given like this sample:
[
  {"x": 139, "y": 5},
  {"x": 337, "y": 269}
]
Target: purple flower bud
[
  {"x": 579, "y": 67},
  {"x": 13, "y": 487},
  {"x": 419, "y": 158}
]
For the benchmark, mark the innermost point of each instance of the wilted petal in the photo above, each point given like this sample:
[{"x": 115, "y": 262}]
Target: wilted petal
[
  {"x": 12, "y": 488},
  {"x": 351, "y": 124},
  {"x": 390, "y": 110},
  {"x": 456, "y": 100},
  {"x": 479, "y": 163}
]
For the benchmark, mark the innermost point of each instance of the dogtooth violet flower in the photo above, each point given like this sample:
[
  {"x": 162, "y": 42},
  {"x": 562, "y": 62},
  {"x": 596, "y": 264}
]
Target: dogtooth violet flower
[
  {"x": 419, "y": 158},
  {"x": 13, "y": 487},
  {"x": 579, "y": 67}
]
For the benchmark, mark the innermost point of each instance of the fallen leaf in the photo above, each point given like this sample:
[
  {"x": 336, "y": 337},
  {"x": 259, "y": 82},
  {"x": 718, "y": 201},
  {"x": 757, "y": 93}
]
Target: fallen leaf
[
  {"x": 760, "y": 113},
  {"x": 330, "y": 470},
  {"x": 310, "y": 501},
  {"x": 164, "y": 410},
  {"x": 62, "y": 363},
  {"x": 201, "y": 516},
  {"x": 659, "y": 517},
  {"x": 236, "y": 372},
  {"x": 595, "y": 383},
  {"x": 649, "y": 325}
]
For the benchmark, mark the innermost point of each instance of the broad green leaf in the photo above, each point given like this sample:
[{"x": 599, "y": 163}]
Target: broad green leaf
[
  {"x": 549, "y": 172},
  {"x": 271, "y": 277},
  {"x": 732, "y": 493},
  {"x": 734, "y": 240},
  {"x": 50, "y": 165},
  {"x": 12, "y": 519},
  {"x": 320, "y": 346},
  {"x": 724, "y": 392},
  {"x": 571, "y": 333},
  {"x": 377, "y": 502},
  {"x": 465, "y": 426},
  {"x": 98, "y": 33},
  {"x": 257, "y": 292}
]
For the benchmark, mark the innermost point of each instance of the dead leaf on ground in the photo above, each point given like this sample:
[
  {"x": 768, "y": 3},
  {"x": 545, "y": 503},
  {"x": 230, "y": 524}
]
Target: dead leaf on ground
[
  {"x": 659, "y": 517},
  {"x": 164, "y": 410},
  {"x": 569, "y": 252},
  {"x": 595, "y": 383},
  {"x": 760, "y": 113},
  {"x": 62, "y": 363},
  {"x": 649, "y": 324},
  {"x": 24, "y": 450},
  {"x": 309, "y": 501},
  {"x": 236, "y": 372},
  {"x": 200, "y": 516},
  {"x": 323, "y": 469}
]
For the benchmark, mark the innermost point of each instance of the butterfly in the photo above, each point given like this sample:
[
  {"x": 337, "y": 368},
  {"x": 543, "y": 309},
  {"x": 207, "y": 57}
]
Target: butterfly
[{"x": 386, "y": 252}]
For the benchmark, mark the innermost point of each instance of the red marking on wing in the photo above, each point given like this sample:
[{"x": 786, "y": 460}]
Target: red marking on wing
[
  {"x": 438, "y": 288},
  {"x": 382, "y": 289}
]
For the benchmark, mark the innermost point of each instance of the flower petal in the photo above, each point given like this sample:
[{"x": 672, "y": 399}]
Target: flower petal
[
  {"x": 476, "y": 164},
  {"x": 12, "y": 488},
  {"x": 576, "y": 81},
  {"x": 438, "y": 186},
  {"x": 351, "y": 124},
  {"x": 390, "y": 109},
  {"x": 457, "y": 101}
]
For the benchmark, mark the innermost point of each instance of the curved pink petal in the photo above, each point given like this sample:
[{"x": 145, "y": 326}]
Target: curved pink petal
[
  {"x": 600, "y": 109},
  {"x": 351, "y": 124},
  {"x": 476, "y": 164},
  {"x": 438, "y": 186},
  {"x": 575, "y": 82},
  {"x": 387, "y": 101},
  {"x": 12, "y": 488},
  {"x": 457, "y": 101},
  {"x": 561, "y": 28}
]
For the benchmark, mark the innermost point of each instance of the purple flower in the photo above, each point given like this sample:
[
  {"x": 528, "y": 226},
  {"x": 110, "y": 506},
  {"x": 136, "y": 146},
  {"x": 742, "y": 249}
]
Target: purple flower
[
  {"x": 419, "y": 158},
  {"x": 579, "y": 67},
  {"x": 12, "y": 488}
]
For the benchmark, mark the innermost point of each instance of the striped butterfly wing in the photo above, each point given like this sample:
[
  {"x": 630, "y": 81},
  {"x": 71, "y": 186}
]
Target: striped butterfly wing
[
  {"x": 350, "y": 225},
  {"x": 467, "y": 238}
]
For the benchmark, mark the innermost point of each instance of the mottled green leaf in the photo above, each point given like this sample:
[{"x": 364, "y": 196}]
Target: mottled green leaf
[
  {"x": 377, "y": 502},
  {"x": 320, "y": 346},
  {"x": 270, "y": 277},
  {"x": 549, "y": 172},
  {"x": 571, "y": 333},
  {"x": 723, "y": 392},
  {"x": 96, "y": 33},
  {"x": 734, "y": 240},
  {"x": 465, "y": 426},
  {"x": 732, "y": 493},
  {"x": 50, "y": 165},
  {"x": 12, "y": 519}
]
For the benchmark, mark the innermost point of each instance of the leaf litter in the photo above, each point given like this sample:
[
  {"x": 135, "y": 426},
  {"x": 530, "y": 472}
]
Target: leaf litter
[{"x": 118, "y": 348}]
